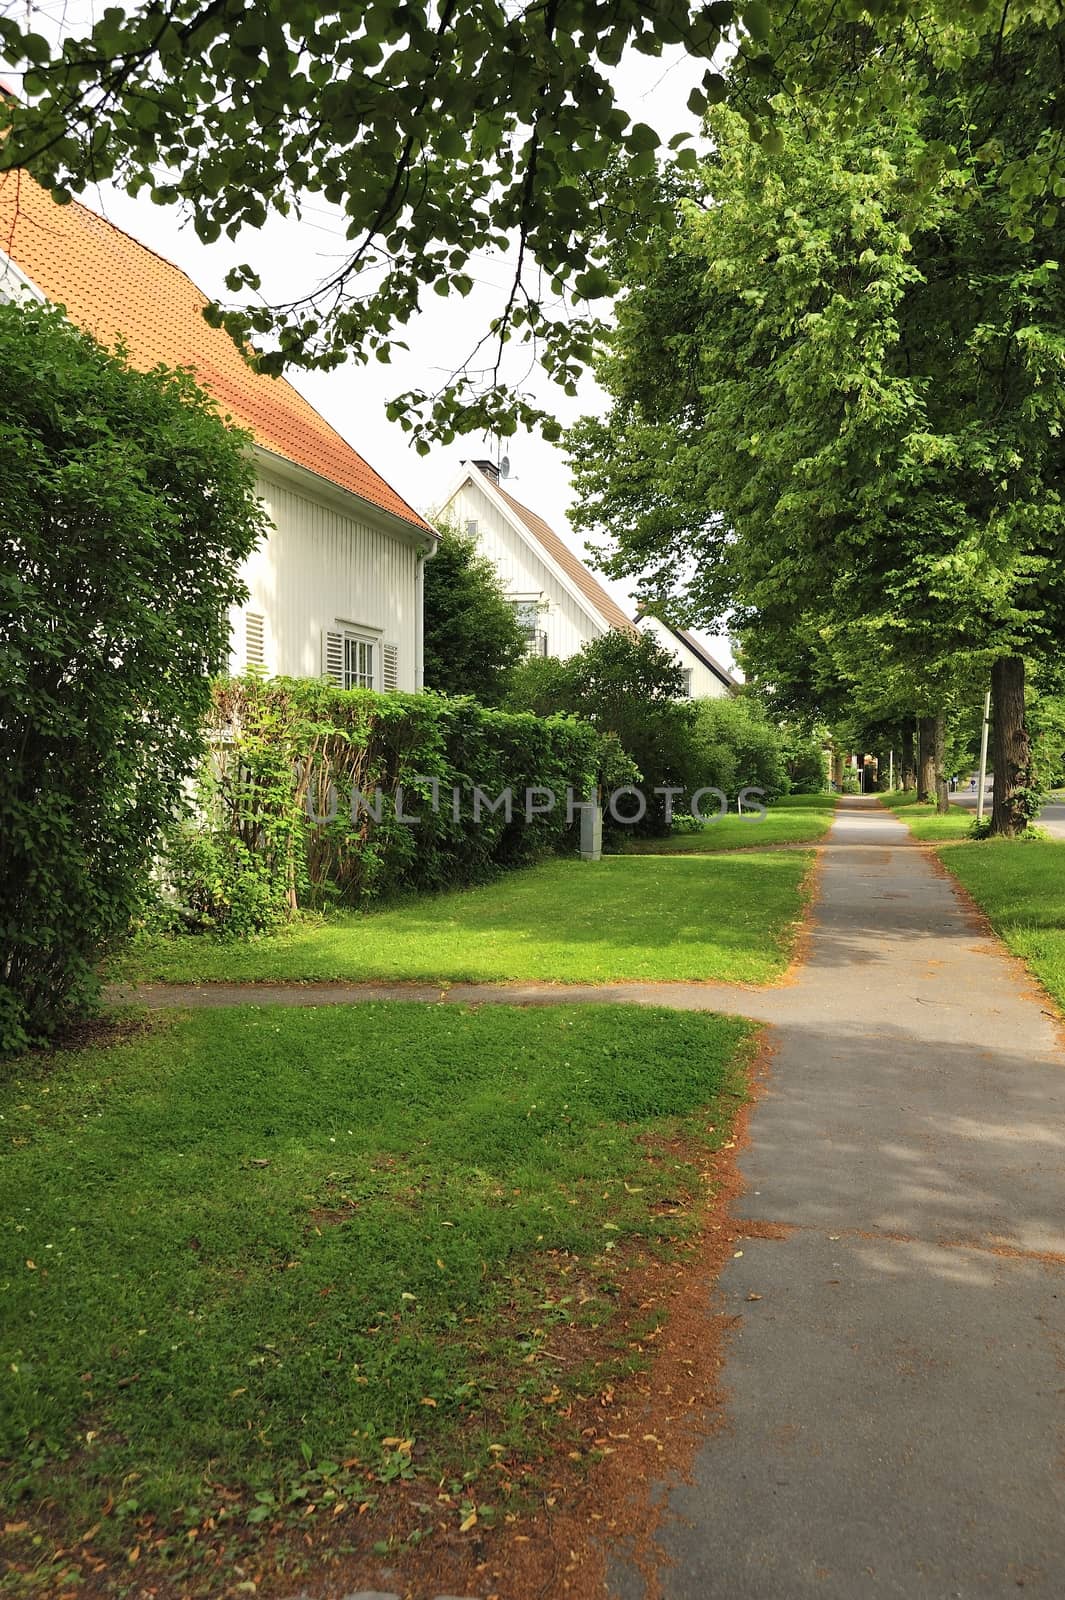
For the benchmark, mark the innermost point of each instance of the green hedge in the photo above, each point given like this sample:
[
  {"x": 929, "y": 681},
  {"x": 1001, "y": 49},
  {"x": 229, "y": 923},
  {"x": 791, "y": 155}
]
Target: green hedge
[{"x": 288, "y": 753}]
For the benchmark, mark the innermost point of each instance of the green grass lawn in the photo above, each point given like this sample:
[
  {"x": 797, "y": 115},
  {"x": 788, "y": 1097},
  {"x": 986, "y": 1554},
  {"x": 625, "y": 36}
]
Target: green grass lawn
[
  {"x": 254, "y": 1259},
  {"x": 731, "y": 919},
  {"x": 1020, "y": 884},
  {"x": 794, "y": 819},
  {"x": 922, "y": 820}
]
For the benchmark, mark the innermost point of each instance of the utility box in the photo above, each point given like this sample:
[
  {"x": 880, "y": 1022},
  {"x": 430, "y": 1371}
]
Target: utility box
[{"x": 591, "y": 832}]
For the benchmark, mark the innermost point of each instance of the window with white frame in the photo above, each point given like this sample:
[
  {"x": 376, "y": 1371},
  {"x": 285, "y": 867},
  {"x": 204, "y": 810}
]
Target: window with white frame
[
  {"x": 352, "y": 659},
  {"x": 686, "y": 674},
  {"x": 358, "y": 662},
  {"x": 527, "y": 614}
]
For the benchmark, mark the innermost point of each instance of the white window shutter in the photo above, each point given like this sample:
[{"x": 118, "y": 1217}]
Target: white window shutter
[
  {"x": 333, "y": 657},
  {"x": 390, "y": 667},
  {"x": 254, "y": 640}
]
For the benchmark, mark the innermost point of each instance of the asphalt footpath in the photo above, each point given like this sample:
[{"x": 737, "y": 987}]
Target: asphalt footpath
[{"x": 895, "y": 1383}]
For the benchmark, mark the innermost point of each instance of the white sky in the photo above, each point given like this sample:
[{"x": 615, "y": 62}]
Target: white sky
[{"x": 292, "y": 256}]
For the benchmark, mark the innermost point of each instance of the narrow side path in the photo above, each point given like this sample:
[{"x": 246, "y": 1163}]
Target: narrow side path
[
  {"x": 763, "y": 1005},
  {"x": 896, "y": 1378}
]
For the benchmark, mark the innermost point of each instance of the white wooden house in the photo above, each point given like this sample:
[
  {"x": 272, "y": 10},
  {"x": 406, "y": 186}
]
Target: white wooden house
[
  {"x": 336, "y": 588},
  {"x": 704, "y": 677},
  {"x": 561, "y": 603}
]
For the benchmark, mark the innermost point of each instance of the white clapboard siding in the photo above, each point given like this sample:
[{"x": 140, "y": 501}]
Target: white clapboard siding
[
  {"x": 522, "y": 574},
  {"x": 318, "y": 565},
  {"x": 705, "y": 684},
  {"x": 389, "y": 667}
]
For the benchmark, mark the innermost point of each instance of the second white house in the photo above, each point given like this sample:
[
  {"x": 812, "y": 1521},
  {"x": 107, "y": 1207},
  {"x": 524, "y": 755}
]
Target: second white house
[{"x": 560, "y": 603}]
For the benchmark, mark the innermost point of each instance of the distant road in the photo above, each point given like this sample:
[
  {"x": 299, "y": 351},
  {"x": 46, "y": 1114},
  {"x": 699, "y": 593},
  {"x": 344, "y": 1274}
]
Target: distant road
[{"x": 1052, "y": 816}]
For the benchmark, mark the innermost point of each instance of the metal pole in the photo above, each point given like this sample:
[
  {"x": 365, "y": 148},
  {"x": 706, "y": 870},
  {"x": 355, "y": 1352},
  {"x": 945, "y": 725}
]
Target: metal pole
[
  {"x": 982, "y": 780},
  {"x": 891, "y": 768}
]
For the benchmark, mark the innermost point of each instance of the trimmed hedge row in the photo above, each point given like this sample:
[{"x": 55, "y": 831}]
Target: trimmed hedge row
[{"x": 276, "y": 827}]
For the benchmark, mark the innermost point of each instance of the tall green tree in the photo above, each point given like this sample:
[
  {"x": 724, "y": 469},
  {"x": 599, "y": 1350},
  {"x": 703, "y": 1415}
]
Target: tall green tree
[
  {"x": 838, "y": 401},
  {"x": 126, "y": 507},
  {"x": 473, "y": 639}
]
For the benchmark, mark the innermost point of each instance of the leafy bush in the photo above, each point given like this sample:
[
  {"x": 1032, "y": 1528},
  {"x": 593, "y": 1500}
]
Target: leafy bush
[
  {"x": 220, "y": 883},
  {"x": 805, "y": 762},
  {"x": 544, "y": 685},
  {"x": 633, "y": 688},
  {"x": 735, "y": 746},
  {"x": 628, "y": 686},
  {"x": 278, "y": 827},
  {"x": 126, "y": 506}
]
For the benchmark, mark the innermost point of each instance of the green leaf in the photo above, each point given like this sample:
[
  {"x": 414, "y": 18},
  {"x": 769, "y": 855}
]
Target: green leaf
[{"x": 757, "y": 19}]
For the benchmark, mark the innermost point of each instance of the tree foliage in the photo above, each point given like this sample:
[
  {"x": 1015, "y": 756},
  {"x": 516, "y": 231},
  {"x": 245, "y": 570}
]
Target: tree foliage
[
  {"x": 443, "y": 130},
  {"x": 627, "y": 686},
  {"x": 1046, "y": 721},
  {"x": 473, "y": 640},
  {"x": 839, "y": 409},
  {"x": 439, "y": 130},
  {"x": 126, "y": 506}
]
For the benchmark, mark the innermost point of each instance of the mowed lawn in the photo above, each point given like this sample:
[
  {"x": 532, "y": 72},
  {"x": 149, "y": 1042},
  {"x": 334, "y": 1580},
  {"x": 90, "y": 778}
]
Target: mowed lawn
[
  {"x": 255, "y": 1260},
  {"x": 794, "y": 819},
  {"x": 728, "y": 919},
  {"x": 1020, "y": 884},
  {"x": 924, "y": 822}
]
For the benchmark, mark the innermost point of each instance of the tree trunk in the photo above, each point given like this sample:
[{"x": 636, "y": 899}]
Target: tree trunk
[
  {"x": 837, "y": 770},
  {"x": 1012, "y": 756},
  {"x": 939, "y": 739},
  {"x": 909, "y": 759},
  {"x": 926, "y": 758}
]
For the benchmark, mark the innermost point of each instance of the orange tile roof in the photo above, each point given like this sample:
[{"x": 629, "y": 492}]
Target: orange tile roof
[
  {"x": 116, "y": 288},
  {"x": 574, "y": 568}
]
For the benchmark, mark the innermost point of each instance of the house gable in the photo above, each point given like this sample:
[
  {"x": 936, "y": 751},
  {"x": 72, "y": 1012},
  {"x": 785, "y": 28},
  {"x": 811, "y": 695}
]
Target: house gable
[
  {"x": 121, "y": 292},
  {"x": 707, "y": 678},
  {"x": 533, "y": 563}
]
